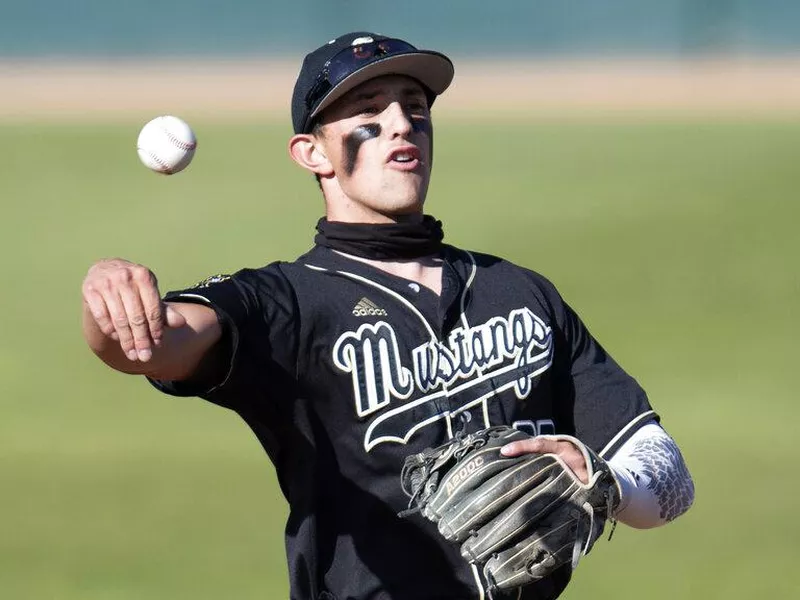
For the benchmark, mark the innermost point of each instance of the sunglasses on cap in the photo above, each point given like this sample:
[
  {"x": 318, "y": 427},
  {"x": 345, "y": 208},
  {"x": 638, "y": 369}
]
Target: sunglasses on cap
[{"x": 348, "y": 61}]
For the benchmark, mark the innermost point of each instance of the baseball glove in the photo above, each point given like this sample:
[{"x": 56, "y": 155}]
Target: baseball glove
[{"x": 517, "y": 519}]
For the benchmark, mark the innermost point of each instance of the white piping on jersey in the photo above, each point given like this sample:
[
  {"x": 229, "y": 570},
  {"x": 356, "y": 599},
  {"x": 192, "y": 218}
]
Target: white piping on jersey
[
  {"x": 462, "y": 301},
  {"x": 198, "y": 296},
  {"x": 626, "y": 431},
  {"x": 464, "y": 321},
  {"x": 470, "y": 279},
  {"x": 386, "y": 290}
]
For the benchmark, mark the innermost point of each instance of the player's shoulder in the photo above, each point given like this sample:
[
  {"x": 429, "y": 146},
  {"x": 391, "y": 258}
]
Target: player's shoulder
[
  {"x": 259, "y": 276},
  {"x": 297, "y": 274},
  {"x": 301, "y": 275},
  {"x": 255, "y": 283},
  {"x": 285, "y": 270},
  {"x": 304, "y": 265}
]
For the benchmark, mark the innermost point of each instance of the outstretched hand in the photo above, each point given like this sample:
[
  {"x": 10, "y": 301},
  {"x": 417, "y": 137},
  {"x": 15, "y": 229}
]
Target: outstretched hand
[
  {"x": 567, "y": 451},
  {"x": 125, "y": 303}
]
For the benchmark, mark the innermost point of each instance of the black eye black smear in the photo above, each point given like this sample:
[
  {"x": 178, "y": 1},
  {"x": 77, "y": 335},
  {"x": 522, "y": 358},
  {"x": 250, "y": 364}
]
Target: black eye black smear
[
  {"x": 353, "y": 141},
  {"x": 424, "y": 126}
]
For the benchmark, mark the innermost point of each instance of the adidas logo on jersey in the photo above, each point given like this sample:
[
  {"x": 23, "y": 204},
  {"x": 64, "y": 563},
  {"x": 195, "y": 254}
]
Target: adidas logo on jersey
[{"x": 367, "y": 308}]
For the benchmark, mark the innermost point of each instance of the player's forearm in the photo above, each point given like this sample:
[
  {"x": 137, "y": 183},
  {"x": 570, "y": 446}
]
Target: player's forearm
[{"x": 655, "y": 483}]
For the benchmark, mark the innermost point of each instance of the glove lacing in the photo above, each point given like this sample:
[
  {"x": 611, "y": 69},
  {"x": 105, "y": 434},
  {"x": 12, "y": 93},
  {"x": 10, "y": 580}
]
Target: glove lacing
[{"x": 581, "y": 548}]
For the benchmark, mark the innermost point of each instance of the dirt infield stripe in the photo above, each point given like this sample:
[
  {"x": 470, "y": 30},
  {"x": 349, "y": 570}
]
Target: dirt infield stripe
[{"x": 262, "y": 88}]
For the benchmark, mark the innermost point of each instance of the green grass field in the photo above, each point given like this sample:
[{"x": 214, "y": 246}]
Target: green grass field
[{"x": 676, "y": 241}]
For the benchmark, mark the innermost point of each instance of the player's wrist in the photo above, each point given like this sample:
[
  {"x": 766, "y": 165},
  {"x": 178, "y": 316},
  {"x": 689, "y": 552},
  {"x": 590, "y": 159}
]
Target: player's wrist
[{"x": 625, "y": 483}]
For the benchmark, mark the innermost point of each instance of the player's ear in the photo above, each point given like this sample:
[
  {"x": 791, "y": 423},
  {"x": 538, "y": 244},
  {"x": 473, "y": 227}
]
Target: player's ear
[{"x": 307, "y": 151}]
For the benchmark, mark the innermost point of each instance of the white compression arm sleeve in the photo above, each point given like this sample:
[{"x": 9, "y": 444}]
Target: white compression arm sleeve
[{"x": 656, "y": 485}]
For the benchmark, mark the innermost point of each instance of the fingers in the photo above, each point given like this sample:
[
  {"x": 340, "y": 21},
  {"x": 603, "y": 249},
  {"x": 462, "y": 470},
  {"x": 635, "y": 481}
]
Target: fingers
[
  {"x": 567, "y": 451},
  {"x": 119, "y": 319},
  {"x": 153, "y": 309},
  {"x": 124, "y": 301},
  {"x": 133, "y": 326},
  {"x": 523, "y": 447},
  {"x": 98, "y": 308},
  {"x": 109, "y": 314}
]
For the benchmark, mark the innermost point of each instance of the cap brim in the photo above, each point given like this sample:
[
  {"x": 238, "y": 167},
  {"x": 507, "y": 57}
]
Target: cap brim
[{"x": 432, "y": 69}]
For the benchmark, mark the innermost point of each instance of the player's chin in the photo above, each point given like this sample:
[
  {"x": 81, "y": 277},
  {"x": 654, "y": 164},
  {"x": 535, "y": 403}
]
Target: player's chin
[
  {"x": 399, "y": 206},
  {"x": 407, "y": 203}
]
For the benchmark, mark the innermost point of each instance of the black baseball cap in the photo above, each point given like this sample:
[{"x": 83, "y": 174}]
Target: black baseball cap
[{"x": 334, "y": 69}]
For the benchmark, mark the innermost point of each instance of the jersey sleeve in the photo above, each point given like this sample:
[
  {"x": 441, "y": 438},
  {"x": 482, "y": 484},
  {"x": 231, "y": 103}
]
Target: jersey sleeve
[
  {"x": 603, "y": 404},
  {"x": 255, "y": 361}
]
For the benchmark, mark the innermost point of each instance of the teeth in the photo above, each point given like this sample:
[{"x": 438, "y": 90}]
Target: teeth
[{"x": 403, "y": 157}]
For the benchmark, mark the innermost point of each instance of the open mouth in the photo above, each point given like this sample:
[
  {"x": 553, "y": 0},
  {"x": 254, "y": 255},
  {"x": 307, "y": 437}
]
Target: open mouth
[{"x": 405, "y": 158}]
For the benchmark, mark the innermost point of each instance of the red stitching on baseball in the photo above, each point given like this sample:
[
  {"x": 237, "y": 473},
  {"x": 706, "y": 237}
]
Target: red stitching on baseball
[
  {"x": 164, "y": 166},
  {"x": 179, "y": 143}
]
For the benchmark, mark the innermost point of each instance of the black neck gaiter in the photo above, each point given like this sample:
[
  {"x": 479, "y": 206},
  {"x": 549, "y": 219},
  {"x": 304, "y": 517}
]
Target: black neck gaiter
[{"x": 382, "y": 240}]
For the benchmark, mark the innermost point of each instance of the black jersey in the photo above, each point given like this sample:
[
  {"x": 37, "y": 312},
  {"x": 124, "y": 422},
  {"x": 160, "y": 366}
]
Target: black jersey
[{"x": 342, "y": 370}]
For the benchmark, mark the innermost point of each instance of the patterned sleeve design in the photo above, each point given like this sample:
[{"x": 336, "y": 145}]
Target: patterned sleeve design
[{"x": 668, "y": 477}]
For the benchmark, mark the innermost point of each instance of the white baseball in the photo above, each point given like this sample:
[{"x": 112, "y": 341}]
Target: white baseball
[{"x": 166, "y": 145}]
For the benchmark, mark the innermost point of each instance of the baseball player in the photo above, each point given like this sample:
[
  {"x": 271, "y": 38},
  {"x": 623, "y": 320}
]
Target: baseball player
[{"x": 382, "y": 341}]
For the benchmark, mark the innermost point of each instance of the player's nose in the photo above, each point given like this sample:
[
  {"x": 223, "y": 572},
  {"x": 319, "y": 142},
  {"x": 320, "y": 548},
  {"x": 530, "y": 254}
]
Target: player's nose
[{"x": 398, "y": 122}]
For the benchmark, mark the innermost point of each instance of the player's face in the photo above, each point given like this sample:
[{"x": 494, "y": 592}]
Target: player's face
[{"x": 379, "y": 140}]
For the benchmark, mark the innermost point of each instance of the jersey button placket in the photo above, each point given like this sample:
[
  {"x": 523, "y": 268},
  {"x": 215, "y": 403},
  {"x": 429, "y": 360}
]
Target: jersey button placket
[{"x": 447, "y": 318}]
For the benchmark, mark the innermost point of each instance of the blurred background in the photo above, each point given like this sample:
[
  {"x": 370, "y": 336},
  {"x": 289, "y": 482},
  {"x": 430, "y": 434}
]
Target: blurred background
[
  {"x": 186, "y": 27},
  {"x": 642, "y": 155}
]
